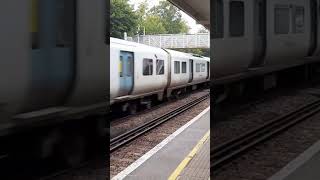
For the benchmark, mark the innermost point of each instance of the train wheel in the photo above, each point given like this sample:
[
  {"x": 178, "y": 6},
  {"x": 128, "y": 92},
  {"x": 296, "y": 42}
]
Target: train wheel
[
  {"x": 149, "y": 105},
  {"x": 73, "y": 149},
  {"x": 133, "y": 107}
]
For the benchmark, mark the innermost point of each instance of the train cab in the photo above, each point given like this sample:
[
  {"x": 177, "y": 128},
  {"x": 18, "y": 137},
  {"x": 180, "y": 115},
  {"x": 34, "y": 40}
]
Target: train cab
[{"x": 53, "y": 55}]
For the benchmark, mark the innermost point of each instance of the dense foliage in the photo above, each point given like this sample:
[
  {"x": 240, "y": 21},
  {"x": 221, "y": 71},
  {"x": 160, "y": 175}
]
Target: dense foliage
[
  {"x": 122, "y": 19},
  {"x": 160, "y": 19}
]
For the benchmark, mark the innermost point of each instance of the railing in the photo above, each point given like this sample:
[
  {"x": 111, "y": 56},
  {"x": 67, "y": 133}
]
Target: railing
[{"x": 200, "y": 40}]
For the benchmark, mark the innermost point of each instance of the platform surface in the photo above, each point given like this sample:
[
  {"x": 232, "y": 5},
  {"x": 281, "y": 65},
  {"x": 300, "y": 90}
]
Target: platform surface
[
  {"x": 199, "y": 166},
  {"x": 164, "y": 159},
  {"x": 305, "y": 167}
]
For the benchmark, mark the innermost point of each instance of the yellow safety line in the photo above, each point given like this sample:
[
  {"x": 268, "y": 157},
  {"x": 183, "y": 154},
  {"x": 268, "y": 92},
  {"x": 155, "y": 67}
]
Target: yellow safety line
[{"x": 187, "y": 159}]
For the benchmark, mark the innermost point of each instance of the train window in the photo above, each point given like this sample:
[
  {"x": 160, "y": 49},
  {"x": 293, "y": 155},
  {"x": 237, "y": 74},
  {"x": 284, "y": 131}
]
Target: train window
[
  {"x": 184, "y": 67},
  {"x": 176, "y": 67},
  {"x": 198, "y": 67},
  {"x": 203, "y": 67},
  {"x": 147, "y": 67},
  {"x": 236, "y": 27},
  {"x": 218, "y": 19},
  {"x": 298, "y": 19},
  {"x": 65, "y": 23},
  {"x": 160, "y": 67},
  {"x": 262, "y": 18},
  {"x": 130, "y": 66},
  {"x": 282, "y": 19}
]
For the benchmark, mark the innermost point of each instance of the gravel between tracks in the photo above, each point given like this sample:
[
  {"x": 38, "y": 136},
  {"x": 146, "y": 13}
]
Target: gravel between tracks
[
  {"x": 270, "y": 156},
  {"x": 126, "y": 155},
  {"x": 125, "y": 124},
  {"x": 258, "y": 114}
]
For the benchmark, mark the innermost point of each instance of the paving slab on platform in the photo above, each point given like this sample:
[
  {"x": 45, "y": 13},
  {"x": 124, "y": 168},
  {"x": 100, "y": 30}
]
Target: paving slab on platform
[
  {"x": 163, "y": 161},
  {"x": 199, "y": 167},
  {"x": 305, "y": 167}
]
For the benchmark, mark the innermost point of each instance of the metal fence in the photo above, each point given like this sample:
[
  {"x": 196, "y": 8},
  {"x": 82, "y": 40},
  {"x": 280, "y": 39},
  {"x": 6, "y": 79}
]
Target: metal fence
[{"x": 200, "y": 40}]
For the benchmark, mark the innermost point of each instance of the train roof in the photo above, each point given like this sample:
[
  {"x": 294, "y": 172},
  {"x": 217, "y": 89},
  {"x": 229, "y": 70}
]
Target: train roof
[
  {"x": 122, "y": 42},
  {"x": 127, "y": 43},
  {"x": 187, "y": 55}
]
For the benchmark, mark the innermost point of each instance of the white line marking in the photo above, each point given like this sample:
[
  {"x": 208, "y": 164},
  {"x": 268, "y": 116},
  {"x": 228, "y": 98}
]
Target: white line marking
[{"x": 154, "y": 150}]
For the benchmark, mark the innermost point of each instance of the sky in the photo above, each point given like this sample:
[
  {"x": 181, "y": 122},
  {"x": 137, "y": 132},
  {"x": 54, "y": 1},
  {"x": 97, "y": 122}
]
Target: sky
[{"x": 194, "y": 27}]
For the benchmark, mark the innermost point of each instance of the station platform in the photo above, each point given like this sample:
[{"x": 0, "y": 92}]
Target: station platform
[
  {"x": 185, "y": 154},
  {"x": 305, "y": 167}
]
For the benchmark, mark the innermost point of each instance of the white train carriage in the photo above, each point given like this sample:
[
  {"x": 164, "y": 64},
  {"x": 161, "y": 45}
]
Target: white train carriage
[
  {"x": 181, "y": 71},
  {"x": 201, "y": 72},
  {"x": 254, "y": 36},
  {"x": 140, "y": 73},
  {"x": 288, "y": 32},
  {"x": 187, "y": 70},
  {"x": 136, "y": 70}
]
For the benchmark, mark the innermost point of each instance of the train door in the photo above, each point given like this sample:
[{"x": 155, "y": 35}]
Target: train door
[
  {"x": 259, "y": 33},
  {"x": 191, "y": 70},
  {"x": 52, "y": 63},
  {"x": 126, "y": 72},
  {"x": 314, "y": 27}
]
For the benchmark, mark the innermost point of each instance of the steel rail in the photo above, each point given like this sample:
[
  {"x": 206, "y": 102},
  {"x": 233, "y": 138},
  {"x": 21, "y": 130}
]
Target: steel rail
[
  {"x": 132, "y": 134},
  {"x": 233, "y": 148}
]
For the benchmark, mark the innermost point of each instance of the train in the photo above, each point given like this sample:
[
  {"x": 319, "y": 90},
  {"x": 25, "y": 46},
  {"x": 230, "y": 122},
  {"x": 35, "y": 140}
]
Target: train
[
  {"x": 141, "y": 74},
  {"x": 53, "y": 70},
  {"x": 261, "y": 39}
]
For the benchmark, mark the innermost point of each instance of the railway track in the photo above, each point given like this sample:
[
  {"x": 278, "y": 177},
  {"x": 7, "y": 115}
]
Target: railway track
[
  {"x": 226, "y": 152},
  {"x": 132, "y": 134},
  {"x": 121, "y": 116}
]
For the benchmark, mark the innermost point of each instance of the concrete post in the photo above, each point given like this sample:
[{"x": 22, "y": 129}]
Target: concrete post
[{"x": 125, "y": 36}]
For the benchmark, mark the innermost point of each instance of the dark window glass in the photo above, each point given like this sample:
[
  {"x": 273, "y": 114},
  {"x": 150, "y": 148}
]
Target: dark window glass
[
  {"x": 160, "y": 67},
  {"x": 176, "y": 67},
  {"x": 65, "y": 23},
  {"x": 218, "y": 19},
  {"x": 147, "y": 67},
  {"x": 130, "y": 66},
  {"x": 262, "y": 18},
  {"x": 282, "y": 19},
  {"x": 236, "y": 21},
  {"x": 298, "y": 20},
  {"x": 184, "y": 67}
]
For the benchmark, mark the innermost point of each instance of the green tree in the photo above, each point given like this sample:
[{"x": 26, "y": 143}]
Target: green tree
[
  {"x": 141, "y": 13},
  {"x": 123, "y": 19},
  {"x": 171, "y": 17},
  {"x": 153, "y": 25}
]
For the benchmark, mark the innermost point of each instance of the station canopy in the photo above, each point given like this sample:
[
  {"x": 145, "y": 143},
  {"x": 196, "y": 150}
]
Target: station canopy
[{"x": 197, "y": 9}]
